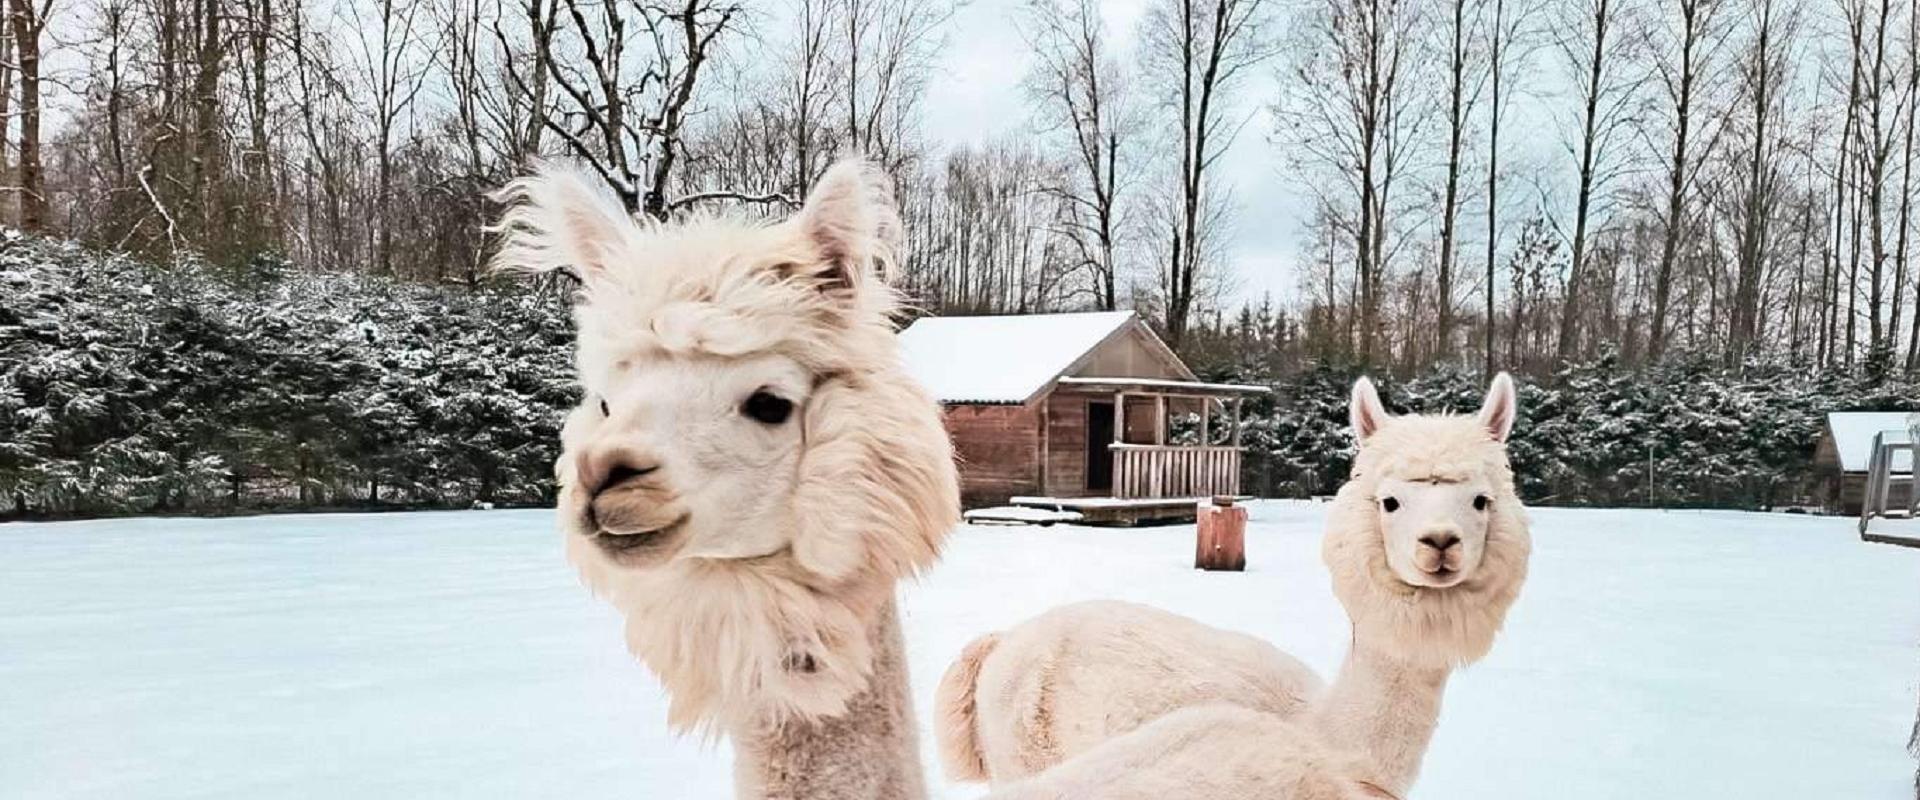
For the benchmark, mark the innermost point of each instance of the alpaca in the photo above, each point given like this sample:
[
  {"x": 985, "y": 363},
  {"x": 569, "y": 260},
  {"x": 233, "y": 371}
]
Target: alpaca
[
  {"x": 750, "y": 471},
  {"x": 1019, "y": 701},
  {"x": 1427, "y": 545}
]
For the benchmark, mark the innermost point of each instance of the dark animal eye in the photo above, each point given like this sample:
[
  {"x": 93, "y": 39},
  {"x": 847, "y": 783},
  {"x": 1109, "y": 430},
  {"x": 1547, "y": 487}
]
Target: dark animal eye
[
  {"x": 1480, "y": 502},
  {"x": 1390, "y": 504},
  {"x": 603, "y": 409},
  {"x": 767, "y": 409}
]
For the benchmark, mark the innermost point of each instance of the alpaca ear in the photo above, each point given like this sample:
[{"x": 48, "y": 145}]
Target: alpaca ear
[
  {"x": 1497, "y": 412},
  {"x": 561, "y": 218},
  {"x": 1365, "y": 411},
  {"x": 851, "y": 219}
]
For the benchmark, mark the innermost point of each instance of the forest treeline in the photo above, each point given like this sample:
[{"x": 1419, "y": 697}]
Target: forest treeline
[
  {"x": 1501, "y": 183},
  {"x": 1596, "y": 194},
  {"x": 129, "y": 388}
]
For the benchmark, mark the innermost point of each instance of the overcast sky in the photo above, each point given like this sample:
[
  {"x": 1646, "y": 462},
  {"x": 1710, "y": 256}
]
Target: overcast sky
[{"x": 976, "y": 97}]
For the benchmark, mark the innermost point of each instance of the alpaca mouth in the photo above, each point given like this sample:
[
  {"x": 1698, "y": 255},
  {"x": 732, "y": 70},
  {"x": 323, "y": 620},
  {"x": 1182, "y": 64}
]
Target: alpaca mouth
[
  {"x": 617, "y": 543},
  {"x": 1442, "y": 578}
]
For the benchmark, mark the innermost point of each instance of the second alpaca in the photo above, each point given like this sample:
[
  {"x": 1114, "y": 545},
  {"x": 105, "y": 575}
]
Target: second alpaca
[{"x": 1427, "y": 545}]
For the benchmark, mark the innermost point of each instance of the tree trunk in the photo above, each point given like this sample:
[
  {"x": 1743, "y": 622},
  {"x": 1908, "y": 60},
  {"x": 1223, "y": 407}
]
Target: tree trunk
[
  {"x": 31, "y": 185},
  {"x": 1757, "y": 207},
  {"x": 1677, "y": 179},
  {"x": 1494, "y": 64},
  {"x": 1569, "y": 340},
  {"x": 1456, "y": 129}
]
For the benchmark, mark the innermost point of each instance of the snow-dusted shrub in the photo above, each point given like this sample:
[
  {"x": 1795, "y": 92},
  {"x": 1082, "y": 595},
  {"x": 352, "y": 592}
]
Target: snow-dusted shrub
[
  {"x": 126, "y": 388},
  {"x": 1591, "y": 433}
]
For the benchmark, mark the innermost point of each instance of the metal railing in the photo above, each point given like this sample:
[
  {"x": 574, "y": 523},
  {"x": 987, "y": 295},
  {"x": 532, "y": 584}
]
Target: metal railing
[{"x": 1881, "y": 477}]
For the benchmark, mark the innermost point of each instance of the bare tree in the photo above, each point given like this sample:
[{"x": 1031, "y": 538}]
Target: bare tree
[
  {"x": 1901, "y": 249},
  {"x": 1347, "y": 117},
  {"x": 1204, "y": 47},
  {"x": 627, "y": 128},
  {"x": 1879, "y": 157},
  {"x": 1461, "y": 97},
  {"x": 1510, "y": 21},
  {"x": 1764, "y": 73},
  {"x": 1594, "y": 43},
  {"x": 394, "y": 69},
  {"x": 1851, "y": 162},
  {"x": 810, "y": 90},
  {"x": 888, "y": 48},
  {"x": 1081, "y": 91},
  {"x": 1681, "y": 67}
]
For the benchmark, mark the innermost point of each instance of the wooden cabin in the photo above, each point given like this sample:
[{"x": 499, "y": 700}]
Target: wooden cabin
[
  {"x": 1088, "y": 411},
  {"x": 1842, "y": 457}
]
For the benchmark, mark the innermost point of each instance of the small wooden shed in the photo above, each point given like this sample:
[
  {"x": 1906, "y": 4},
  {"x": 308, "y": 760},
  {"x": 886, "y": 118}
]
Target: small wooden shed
[
  {"x": 1060, "y": 410},
  {"x": 1843, "y": 452}
]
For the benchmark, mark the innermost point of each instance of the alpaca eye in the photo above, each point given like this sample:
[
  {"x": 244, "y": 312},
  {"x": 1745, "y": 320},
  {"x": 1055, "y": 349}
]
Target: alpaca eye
[
  {"x": 604, "y": 411},
  {"x": 767, "y": 409},
  {"x": 1390, "y": 504},
  {"x": 1480, "y": 502}
]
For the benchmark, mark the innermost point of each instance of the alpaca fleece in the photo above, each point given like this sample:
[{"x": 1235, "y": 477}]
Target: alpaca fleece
[{"x": 760, "y": 590}]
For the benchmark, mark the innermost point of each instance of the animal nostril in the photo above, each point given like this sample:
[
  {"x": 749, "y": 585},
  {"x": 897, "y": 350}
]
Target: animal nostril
[
  {"x": 621, "y": 473},
  {"x": 1440, "y": 541}
]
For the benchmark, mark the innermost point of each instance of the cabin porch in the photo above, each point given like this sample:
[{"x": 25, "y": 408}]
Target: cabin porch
[
  {"x": 1138, "y": 454},
  {"x": 1134, "y": 450}
]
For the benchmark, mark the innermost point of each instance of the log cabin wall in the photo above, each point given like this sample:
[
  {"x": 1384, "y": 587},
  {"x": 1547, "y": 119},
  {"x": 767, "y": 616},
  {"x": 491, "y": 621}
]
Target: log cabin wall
[
  {"x": 1067, "y": 444},
  {"x": 998, "y": 450}
]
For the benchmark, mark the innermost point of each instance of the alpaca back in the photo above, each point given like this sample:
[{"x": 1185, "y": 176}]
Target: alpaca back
[{"x": 1060, "y": 684}]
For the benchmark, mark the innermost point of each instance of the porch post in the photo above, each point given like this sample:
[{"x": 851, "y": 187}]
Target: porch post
[
  {"x": 1122, "y": 475},
  {"x": 1046, "y": 437},
  {"x": 1236, "y": 421},
  {"x": 1160, "y": 419},
  {"x": 1206, "y": 409}
]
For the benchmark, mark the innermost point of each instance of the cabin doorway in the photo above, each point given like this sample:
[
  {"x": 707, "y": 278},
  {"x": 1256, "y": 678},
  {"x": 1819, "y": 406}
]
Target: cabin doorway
[{"x": 1099, "y": 455}]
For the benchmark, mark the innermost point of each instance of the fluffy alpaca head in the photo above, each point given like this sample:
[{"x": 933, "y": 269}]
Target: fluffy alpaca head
[
  {"x": 1427, "y": 542},
  {"x": 750, "y": 469}
]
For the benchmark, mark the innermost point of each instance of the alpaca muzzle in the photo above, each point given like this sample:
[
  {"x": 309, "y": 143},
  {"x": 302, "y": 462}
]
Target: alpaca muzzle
[
  {"x": 629, "y": 505},
  {"x": 1441, "y": 555}
]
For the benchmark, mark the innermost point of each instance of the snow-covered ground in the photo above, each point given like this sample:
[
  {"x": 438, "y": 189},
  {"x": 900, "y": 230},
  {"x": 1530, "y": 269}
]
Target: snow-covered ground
[{"x": 1653, "y": 654}]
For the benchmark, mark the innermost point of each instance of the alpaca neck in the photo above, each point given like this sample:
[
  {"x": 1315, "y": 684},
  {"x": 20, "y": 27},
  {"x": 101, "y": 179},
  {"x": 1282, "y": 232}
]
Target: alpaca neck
[
  {"x": 1385, "y": 709},
  {"x": 870, "y": 751}
]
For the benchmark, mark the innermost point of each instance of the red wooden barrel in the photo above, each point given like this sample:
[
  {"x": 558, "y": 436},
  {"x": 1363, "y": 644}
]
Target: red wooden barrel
[{"x": 1221, "y": 543}]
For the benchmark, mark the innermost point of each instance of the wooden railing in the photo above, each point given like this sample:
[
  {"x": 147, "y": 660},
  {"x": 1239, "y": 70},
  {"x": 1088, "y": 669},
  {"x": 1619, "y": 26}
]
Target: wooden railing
[{"x": 1150, "y": 470}]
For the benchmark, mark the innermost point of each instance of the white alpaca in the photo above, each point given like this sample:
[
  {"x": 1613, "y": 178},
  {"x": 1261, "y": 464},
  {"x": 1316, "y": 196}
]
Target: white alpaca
[
  {"x": 1427, "y": 545},
  {"x": 1024, "y": 699},
  {"x": 750, "y": 471}
]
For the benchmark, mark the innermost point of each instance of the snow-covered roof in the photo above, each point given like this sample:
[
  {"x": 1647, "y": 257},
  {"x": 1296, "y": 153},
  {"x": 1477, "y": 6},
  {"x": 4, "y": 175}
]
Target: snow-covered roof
[
  {"x": 1007, "y": 359},
  {"x": 1199, "y": 387},
  {"x": 1853, "y": 437}
]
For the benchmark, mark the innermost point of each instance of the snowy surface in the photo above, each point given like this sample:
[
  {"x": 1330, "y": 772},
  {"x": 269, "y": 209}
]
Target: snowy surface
[
  {"x": 1020, "y": 514},
  {"x": 1853, "y": 433},
  {"x": 1653, "y": 654},
  {"x": 1000, "y": 359}
]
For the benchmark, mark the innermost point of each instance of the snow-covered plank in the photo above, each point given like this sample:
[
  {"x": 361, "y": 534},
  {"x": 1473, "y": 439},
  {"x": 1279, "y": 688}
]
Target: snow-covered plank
[{"x": 1020, "y": 515}]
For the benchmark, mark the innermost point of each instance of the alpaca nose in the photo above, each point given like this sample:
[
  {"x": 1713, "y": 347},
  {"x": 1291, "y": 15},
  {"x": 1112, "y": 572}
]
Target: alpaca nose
[
  {"x": 603, "y": 471},
  {"x": 1440, "y": 540}
]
